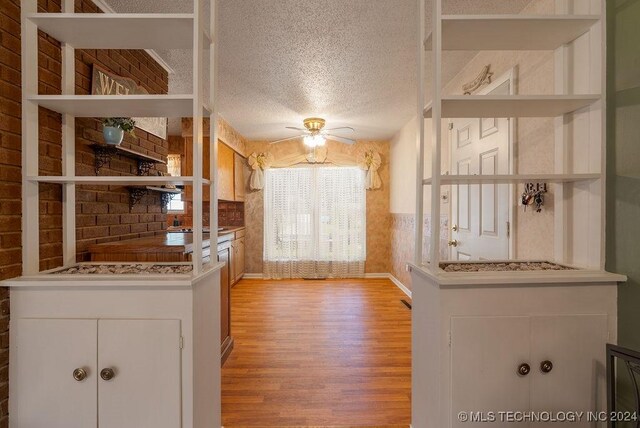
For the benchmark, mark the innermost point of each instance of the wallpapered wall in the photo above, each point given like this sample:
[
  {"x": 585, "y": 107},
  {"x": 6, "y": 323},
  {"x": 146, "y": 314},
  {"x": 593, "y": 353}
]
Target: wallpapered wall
[{"x": 378, "y": 218}]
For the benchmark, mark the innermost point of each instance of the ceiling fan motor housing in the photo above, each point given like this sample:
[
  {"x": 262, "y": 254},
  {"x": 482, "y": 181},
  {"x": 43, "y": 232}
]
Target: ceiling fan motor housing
[{"x": 314, "y": 124}]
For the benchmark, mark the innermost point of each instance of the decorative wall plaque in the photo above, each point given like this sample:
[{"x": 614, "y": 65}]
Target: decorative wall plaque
[
  {"x": 481, "y": 79},
  {"x": 105, "y": 83}
]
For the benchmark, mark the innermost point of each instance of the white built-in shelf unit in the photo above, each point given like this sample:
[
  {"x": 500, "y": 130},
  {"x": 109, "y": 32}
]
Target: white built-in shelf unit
[
  {"x": 114, "y": 31},
  {"x": 575, "y": 34}
]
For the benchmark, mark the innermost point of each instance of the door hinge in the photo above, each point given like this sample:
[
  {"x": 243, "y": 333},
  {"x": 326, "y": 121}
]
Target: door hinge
[
  {"x": 450, "y": 125},
  {"x": 449, "y": 338},
  {"x": 508, "y": 229},
  {"x": 181, "y": 342}
]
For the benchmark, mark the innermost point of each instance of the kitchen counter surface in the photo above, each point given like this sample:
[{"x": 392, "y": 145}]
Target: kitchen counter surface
[{"x": 170, "y": 242}]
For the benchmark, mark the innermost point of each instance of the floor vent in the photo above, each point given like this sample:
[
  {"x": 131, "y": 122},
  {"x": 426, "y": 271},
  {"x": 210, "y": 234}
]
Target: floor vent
[{"x": 407, "y": 304}]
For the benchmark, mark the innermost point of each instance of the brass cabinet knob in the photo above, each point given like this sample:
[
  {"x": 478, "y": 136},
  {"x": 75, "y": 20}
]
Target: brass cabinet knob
[
  {"x": 107, "y": 374},
  {"x": 453, "y": 243},
  {"x": 546, "y": 366},
  {"x": 454, "y": 227},
  {"x": 79, "y": 374},
  {"x": 524, "y": 369}
]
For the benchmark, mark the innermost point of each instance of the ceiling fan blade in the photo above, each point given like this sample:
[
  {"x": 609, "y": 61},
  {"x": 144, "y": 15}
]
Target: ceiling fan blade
[
  {"x": 296, "y": 129},
  {"x": 344, "y": 140},
  {"x": 347, "y": 128},
  {"x": 287, "y": 139}
]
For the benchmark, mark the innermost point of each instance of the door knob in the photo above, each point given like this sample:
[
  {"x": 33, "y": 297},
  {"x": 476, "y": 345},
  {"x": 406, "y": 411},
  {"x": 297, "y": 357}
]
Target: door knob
[
  {"x": 79, "y": 374},
  {"x": 107, "y": 374},
  {"x": 546, "y": 366},
  {"x": 454, "y": 227},
  {"x": 524, "y": 369},
  {"x": 453, "y": 243}
]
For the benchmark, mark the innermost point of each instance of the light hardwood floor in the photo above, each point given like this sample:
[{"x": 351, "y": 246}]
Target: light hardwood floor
[{"x": 318, "y": 353}]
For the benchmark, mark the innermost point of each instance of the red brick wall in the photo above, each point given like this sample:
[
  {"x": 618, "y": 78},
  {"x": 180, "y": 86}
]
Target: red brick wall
[
  {"x": 229, "y": 214},
  {"x": 102, "y": 212}
]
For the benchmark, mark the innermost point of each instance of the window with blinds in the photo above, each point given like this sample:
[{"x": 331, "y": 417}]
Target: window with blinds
[{"x": 314, "y": 222}]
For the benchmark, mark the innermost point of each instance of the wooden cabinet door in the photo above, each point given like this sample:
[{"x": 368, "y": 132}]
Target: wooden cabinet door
[
  {"x": 187, "y": 166},
  {"x": 238, "y": 177},
  {"x": 225, "y": 172},
  {"x": 225, "y": 298},
  {"x": 44, "y": 392},
  {"x": 145, "y": 357},
  {"x": 485, "y": 354},
  {"x": 576, "y": 346},
  {"x": 239, "y": 258},
  {"x": 233, "y": 260}
]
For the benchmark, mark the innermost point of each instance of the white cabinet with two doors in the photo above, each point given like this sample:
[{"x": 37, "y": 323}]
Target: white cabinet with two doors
[
  {"x": 510, "y": 345},
  {"x": 115, "y": 352},
  {"x": 111, "y": 373},
  {"x": 526, "y": 364}
]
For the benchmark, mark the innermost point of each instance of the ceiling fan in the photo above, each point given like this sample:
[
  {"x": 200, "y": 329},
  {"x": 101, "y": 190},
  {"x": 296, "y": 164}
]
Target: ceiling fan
[{"x": 315, "y": 136}]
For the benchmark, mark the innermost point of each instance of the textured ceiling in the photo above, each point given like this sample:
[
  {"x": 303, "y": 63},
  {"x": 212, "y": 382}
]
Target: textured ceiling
[{"x": 352, "y": 62}]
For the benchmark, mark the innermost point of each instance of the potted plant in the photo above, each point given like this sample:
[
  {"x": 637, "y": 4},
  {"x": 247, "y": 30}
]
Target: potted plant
[{"x": 113, "y": 129}]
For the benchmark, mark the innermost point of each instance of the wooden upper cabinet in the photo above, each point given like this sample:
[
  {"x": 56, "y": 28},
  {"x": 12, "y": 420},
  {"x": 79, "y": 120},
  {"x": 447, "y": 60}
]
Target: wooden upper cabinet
[
  {"x": 187, "y": 165},
  {"x": 238, "y": 174},
  {"x": 231, "y": 182},
  {"x": 225, "y": 172}
]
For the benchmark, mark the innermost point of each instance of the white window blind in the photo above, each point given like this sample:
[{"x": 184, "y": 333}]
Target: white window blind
[{"x": 314, "y": 222}]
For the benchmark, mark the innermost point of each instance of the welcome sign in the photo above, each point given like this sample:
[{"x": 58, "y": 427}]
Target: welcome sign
[{"x": 105, "y": 83}]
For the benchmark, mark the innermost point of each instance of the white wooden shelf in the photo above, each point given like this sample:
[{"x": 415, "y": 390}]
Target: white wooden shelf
[
  {"x": 119, "y": 105},
  {"x": 118, "y": 31},
  {"x": 118, "y": 180},
  {"x": 511, "y": 32},
  {"x": 512, "y": 178},
  {"x": 472, "y": 106}
]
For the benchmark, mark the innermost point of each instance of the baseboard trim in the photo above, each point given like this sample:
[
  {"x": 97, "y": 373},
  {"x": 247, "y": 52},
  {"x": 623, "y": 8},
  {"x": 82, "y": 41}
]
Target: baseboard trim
[
  {"x": 377, "y": 275},
  {"x": 384, "y": 275},
  {"x": 400, "y": 285}
]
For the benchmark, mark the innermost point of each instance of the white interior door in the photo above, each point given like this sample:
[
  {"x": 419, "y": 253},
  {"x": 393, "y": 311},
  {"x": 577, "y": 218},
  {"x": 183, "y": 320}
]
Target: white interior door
[
  {"x": 145, "y": 389},
  {"x": 575, "y": 345},
  {"x": 480, "y": 213},
  {"x": 485, "y": 355},
  {"x": 44, "y": 392}
]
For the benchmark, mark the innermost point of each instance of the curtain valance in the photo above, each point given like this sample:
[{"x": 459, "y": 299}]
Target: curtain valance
[{"x": 367, "y": 160}]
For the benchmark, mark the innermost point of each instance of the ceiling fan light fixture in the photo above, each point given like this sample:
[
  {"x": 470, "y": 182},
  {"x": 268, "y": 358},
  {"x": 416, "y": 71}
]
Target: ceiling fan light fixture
[{"x": 314, "y": 140}]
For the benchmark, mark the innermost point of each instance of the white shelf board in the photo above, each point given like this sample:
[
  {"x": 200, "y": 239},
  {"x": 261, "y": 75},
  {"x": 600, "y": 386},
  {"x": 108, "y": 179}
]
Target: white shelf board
[
  {"x": 118, "y": 31},
  {"x": 512, "y": 178},
  {"x": 511, "y": 32},
  {"x": 118, "y": 105},
  {"x": 132, "y": 180},
  {"x": 476, "y": 106}
]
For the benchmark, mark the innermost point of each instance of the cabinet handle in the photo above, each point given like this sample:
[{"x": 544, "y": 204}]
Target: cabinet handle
[
  {"x": 107, "y": 374},
  {"x": 546, "y": 366},
  {"x": 524, "y": 369},
  {"x": 79, "y": 374}
]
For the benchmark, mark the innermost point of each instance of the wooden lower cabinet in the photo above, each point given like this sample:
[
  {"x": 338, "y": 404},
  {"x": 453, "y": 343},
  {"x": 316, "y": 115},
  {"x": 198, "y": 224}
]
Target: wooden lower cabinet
[
  {"x": 237, "y": 257},
  {"x": 64, "y": 366},
  {"x": 224, "y": 255}
]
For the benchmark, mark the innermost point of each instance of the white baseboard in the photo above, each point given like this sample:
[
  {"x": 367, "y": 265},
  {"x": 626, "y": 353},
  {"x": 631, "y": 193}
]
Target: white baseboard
[
  {"x": 377, "y": 275},
  {"x": 385, "y": 275},
  {"x": 400, "y": 285},
  {"x": 252, "y": 276}
]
